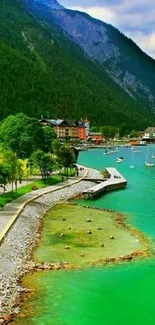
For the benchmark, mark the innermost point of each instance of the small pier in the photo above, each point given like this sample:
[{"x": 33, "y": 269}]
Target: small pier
[{"x": 114, "y": 182}]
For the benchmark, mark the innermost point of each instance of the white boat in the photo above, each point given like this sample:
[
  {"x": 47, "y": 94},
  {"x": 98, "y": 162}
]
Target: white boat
[
  {"x": 153, "y": 152},
  {"x": 148, "y": 162},
  {"x": 120, "y": 159},
  {"x": 136, "y": 151},
  {"x": 142, "y": 143},
  {"x": 132, "y": 157}
]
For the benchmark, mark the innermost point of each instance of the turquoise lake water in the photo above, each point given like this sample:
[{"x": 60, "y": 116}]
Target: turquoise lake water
[{"x": 113, "y": 295}]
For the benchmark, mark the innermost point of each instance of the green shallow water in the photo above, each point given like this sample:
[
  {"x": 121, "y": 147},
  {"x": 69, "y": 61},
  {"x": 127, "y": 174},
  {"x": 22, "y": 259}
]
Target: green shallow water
[{"x": 119, "y": 295}]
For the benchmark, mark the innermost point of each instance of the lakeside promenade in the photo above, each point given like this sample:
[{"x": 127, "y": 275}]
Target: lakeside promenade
[{"x": 10, "y": 212}]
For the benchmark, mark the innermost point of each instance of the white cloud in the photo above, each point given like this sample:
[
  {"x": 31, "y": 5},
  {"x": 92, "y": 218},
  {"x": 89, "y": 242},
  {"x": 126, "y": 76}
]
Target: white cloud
[
  {"x": 102, "y": 13},
  {"x": 145, "y": 41},
  {"x": 136, "y": 20}
]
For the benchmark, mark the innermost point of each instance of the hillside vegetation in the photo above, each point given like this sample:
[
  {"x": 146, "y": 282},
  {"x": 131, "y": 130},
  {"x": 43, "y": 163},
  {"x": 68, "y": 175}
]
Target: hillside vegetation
[{"x": 42, "y": 72}]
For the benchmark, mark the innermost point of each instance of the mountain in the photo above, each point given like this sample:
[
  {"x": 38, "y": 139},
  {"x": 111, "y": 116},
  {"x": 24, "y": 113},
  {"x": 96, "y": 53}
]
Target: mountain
[
  {"x": 122, "y": 59},
  {"x": 51, "y": 4},
  {"x": 43, "y": 72}
]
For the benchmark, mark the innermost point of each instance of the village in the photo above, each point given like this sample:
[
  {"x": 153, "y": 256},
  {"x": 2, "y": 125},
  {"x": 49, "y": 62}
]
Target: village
[{"x": 81, "y": 131}]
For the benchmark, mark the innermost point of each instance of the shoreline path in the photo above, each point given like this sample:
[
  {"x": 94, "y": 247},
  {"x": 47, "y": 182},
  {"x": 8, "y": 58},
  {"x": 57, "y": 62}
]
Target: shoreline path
[{"x": 10, "y": 212}]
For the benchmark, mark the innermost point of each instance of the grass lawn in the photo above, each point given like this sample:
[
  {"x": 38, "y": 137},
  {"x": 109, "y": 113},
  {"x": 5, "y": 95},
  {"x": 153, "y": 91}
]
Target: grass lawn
[
  {"x": 68, "y": 240},
  {"x": 70, "y": 173},
  {"x": 8, "y": 197}
]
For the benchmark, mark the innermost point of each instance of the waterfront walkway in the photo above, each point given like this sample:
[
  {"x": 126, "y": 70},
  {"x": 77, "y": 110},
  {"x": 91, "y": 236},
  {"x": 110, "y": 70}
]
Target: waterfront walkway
[
  {"x": 115, "y": 181},
  {"x": 10, "y": 212}
]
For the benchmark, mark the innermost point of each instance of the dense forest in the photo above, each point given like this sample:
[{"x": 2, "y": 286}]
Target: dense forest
[{"x": 42, "y": 72}]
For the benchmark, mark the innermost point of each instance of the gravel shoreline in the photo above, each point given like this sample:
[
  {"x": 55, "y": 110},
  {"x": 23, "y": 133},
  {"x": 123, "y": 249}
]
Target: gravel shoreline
[{"x": 15, "y": 251}]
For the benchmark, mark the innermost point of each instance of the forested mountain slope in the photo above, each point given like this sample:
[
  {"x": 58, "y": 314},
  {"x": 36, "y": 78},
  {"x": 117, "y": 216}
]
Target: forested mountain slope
[
  {"x": 122, "y": 59},
  {"x": 42, "y": 72}
]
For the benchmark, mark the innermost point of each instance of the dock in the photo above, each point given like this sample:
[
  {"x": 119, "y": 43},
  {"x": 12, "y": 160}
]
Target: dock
[{"x": 114, "y": 182}]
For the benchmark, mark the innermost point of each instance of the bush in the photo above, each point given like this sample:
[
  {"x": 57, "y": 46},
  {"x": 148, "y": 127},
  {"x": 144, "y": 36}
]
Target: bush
[{"x": 34, "y": 187}]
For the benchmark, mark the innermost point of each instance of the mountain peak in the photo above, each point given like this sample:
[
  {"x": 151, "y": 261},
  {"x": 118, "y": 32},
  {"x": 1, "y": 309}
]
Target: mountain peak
[{"x": 52, "y": 4}]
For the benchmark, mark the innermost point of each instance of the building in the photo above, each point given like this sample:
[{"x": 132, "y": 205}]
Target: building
[
  {"x": 87, "y": 125},
  {"x": 97, "y": 137},
  {"x": 149, "y": 133},
  {"x": 82, "y": 131},
  {"x": 70, "y": 129}
]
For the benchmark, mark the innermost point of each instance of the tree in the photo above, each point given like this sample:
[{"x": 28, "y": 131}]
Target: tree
[
  {"x": 49, "y": 136},
  {"x": 114, "y": 131},
  {"x": 66, "y": 157},
  {"x": 21, "y": 134},
  {"x": 123, "y": 131},
  {"x": 133, "y": 134},
  {"x": 56, "y": 145},
  {"x": 44, "y": 162},
  {"x": 108, "y": 131},
  {"x": 94, "y": 129},
  {"x": 15, "y": 167},
  {"x": 4, "y": 175}
]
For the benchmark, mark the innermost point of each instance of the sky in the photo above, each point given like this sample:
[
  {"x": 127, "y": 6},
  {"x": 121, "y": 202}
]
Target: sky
[{"x": 135, "y": 18}]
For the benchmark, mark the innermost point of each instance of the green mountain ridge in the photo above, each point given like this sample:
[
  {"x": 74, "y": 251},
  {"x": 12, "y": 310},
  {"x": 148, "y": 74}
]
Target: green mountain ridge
[{"x": 42, "y": 72}]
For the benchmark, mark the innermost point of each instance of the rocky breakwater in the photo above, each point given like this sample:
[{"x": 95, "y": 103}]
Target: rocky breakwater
[{"x": 16, "y": 249}]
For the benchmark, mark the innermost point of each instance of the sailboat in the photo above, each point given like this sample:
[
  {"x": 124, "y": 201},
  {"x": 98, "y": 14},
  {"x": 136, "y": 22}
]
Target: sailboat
[
  {"x": 153, "y": 153},
  {"x": 148, "y": 162},
  {"x": 132, "y": 166}
]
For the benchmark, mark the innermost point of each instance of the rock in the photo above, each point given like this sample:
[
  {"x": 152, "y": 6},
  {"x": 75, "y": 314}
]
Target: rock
[
  {"x": 66, "y": 247},
  {"x": 89, "y": 232},
  {"x": 62, "y": 235},
  {"x": 82, "y": 255},
  {"x": 101, "y": 245},
  {"x": 100, "y": 228},
  {"x": 88, "y": 220},
  {"x": 69, "y": 228},
  {"x": 63, "y": 219},
  {"x": 112, "y": 237}
]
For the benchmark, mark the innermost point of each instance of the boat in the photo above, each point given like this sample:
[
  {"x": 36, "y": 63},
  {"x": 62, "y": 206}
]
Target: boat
[
  {"x": 153, "y": 153},
  {"x": 142, "y": 143},
  {"x": 107, "y": 152},
  {"x": 120, "y": 159},
  {"x": 132, "y": 165},
  {"x": 148, "y": 162},
  {"x": 136, "y": 151}
]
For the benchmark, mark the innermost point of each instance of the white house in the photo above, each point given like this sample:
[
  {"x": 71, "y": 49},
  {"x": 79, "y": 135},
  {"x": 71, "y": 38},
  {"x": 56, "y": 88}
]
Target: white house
[{"x": 149, "y": 133}]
